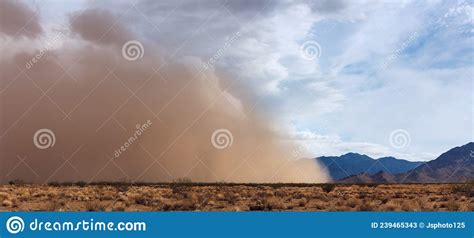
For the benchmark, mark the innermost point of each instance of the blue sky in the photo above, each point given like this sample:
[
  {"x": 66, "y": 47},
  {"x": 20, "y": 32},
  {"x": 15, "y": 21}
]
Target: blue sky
[{"x": 384, "y": 66}]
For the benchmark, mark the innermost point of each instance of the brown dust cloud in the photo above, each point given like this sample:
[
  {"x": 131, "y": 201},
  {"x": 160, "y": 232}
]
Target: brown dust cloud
[{"x": 113, "y": 119}]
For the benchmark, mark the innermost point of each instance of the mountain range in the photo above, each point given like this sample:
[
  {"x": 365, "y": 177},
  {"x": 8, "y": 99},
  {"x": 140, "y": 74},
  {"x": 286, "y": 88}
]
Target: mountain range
[
  {"x": 352, "y": 163},
  {"x": 455, "y": 165}
]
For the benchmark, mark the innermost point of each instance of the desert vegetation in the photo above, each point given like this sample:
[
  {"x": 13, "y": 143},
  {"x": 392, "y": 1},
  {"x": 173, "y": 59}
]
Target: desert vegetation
[{"x": 186, "y": 196}]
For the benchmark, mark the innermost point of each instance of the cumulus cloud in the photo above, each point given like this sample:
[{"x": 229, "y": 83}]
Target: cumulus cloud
[
  {"x": 371, "y": 52},
  {"x": 17, "y": 20},
  {"x": 99, "y": 26}
]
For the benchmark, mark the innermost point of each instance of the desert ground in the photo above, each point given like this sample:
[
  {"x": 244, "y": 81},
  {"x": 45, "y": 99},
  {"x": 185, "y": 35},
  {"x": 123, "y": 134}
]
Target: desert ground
[{"x": 237, "y": 197}]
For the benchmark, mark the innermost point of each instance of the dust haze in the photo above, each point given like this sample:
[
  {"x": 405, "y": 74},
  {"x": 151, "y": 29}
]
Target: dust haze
[{"x": 93, "y": 99}]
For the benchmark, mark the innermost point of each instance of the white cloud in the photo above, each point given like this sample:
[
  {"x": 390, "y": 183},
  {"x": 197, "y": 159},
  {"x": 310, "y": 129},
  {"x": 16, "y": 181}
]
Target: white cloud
[
  {"x": 330, "y": 145},
  {"x": 426, "y": 89}
]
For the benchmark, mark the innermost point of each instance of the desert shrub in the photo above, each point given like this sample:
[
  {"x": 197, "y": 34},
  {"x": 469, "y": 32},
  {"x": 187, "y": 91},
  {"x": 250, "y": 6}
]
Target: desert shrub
[
  {"x": 384, "y": 199},
  {"x": 281, "y": 193},
  {"x": 362, "y": 195},
  {"x": 407, "y": 206},
  {"x": 302, "y": 202},
  {"x": 185, "y": 205},
  {"x": 142, "y": 201},
  {"x": 328, "y": 187},
  {"x": 322, "y": 197},
  {"x": 17, "y": 182},
  {"x": 372, "y": 185},
  {"x": 256, "y": 207},
  {"x": 123, "y": 187},
  {"x": 392, "y": 207},
  {"x": 54, "y": 205},
  {"x": 183, "y": 180},
  {"x": 423, "y": 204},
  {"x": 273, "y": 204},
  {"x": 352, "y": 202},
  {"x": 443, "y": 199},
  {"x": 340, "y": 202},
  {"x": 297, "y": 195},
  {"x": 464, "y": 188},
  {"x": 452, "y": 205},
  {"x": 120, "y": 206},
  {"x": 319, "y": 205},
  {"x": 366, "y": 206},
  {"x": 54, "y": 184},
  {"x": 81, "y": 184},
  {"x": 261, "y": 205},
  {"x": 94, "y": 206},
  {"x": 180, "y": 192},
  {"x": 335, "y": 208},
  {"x": 268, "y": 205},
  {"x": 229, "y": 196}
]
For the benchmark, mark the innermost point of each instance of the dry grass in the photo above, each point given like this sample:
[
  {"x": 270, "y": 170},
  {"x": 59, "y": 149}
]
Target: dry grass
[{"x": 235, "y": 197}]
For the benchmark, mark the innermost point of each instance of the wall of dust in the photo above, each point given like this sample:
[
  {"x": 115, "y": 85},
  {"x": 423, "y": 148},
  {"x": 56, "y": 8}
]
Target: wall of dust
[{"x": 112, "y": 119}]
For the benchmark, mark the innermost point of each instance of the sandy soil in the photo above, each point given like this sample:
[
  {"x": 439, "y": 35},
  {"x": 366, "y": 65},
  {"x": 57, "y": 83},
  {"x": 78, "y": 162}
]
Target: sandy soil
[{"x": 235, "y": 197}]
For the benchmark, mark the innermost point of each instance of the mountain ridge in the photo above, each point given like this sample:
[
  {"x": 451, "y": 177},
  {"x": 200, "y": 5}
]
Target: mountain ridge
[
  {"x": 352, "y": 163},
  {"x": 454, "y": 165}
]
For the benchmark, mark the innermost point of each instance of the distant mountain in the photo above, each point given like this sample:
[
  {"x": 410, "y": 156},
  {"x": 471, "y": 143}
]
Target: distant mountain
[
  {"x": 455, "y": 165},
  {"x": 380, "y": 177},
  {"x": 354, "y": 164}
]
